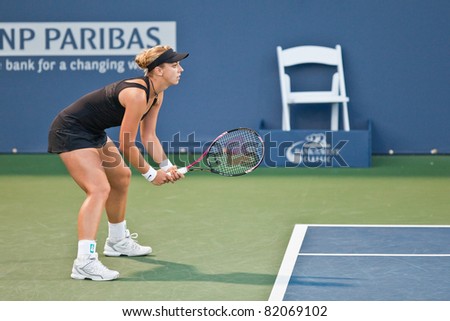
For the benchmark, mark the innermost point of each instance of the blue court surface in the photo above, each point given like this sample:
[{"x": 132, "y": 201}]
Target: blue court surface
[{"x": 365, "y": 263}]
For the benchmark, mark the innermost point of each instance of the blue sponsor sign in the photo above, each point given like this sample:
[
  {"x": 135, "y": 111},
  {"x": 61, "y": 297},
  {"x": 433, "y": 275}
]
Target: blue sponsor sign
[{"x": 317, "y": 148}]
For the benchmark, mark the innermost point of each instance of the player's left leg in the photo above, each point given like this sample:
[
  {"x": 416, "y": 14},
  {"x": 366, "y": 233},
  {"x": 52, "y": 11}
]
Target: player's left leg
[
  {"x": 119, "y": 176},
  {"x": 120, "y": 241}
]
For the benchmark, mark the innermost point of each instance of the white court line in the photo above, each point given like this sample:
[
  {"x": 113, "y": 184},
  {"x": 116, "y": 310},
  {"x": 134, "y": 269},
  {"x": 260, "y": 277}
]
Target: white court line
[
  {"x": 372, "y": 254},
  {"x": 377, "y": 225},
  {"x": 288, "y": 263},
  {"x": 296, "y": 241}
]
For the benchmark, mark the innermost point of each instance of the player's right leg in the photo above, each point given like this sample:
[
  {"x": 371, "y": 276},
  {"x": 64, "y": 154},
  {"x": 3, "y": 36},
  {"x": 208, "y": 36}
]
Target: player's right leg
[{"x": 85, "y": 167}]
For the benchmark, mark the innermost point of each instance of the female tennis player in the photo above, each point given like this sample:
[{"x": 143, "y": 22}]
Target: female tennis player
[{"x": 78, "y": 135}]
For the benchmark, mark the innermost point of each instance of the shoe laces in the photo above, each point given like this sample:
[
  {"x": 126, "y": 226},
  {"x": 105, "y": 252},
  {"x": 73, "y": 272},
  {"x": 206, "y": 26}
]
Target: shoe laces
[
  {"x": 94, "y": 266},
  {"x": 130, "y": 239}
]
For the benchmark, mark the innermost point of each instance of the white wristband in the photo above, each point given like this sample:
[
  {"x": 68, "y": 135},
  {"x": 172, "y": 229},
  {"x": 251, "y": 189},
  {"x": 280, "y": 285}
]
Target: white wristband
[
  {"x": 150, "y": 175},
  {"x": 165, "y": 165}
]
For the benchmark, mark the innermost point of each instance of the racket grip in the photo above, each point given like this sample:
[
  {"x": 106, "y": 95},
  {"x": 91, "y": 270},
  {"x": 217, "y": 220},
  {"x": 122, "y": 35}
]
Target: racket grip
[{"x": 183, "y": 170}]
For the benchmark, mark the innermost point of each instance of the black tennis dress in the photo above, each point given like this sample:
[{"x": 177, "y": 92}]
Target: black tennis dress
[{"x": 83, "y": 124}]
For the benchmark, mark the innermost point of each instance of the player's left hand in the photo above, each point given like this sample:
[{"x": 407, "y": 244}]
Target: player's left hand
[{"x": 174, "y": 174}]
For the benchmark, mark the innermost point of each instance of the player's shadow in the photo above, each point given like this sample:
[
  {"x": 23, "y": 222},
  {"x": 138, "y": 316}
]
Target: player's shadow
[
  {"x": 322, "y": 281},
  {"x": 171, "y": 271}
]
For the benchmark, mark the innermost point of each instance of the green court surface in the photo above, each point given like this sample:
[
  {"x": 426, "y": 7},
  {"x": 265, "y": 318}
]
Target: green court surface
[{"x": 213, "y": 238}]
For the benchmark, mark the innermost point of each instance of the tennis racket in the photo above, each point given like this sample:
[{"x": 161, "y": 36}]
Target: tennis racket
[{"x": 233, "y": 153}]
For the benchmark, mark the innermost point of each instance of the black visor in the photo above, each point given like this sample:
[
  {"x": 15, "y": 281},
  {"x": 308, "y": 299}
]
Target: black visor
[{"x": 167, "y": 56}]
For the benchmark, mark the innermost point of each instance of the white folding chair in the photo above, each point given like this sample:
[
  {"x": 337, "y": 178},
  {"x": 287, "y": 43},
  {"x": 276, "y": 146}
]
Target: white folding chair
[{"x": 337, "y": 95}]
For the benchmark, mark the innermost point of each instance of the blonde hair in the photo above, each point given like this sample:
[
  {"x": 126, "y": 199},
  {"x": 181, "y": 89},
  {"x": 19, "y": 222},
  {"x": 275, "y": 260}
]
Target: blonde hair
[{"x": 147, "y": 56}]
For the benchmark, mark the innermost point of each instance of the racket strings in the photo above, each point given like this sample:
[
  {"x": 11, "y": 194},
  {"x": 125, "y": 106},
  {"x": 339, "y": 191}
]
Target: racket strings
[{"x": 235, "y": 153}]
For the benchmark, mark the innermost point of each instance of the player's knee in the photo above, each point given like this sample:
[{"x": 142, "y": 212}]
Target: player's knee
[
  {"x": 122, "y": 178},
  {"x": 125, "y": 176},
  {"x": 100, "y": 191}
]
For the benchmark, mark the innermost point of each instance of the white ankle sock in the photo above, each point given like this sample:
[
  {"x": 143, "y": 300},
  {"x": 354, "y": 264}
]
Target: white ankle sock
[
  {"x": 117, "y": 231},
  {"x": 86, "y": 248}
]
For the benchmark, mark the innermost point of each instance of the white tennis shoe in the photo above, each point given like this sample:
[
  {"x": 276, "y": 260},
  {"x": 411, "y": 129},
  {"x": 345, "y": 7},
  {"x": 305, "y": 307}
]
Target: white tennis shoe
[
  {"x": 126, "y": 247},
  {"x": 90, "y": 268}
]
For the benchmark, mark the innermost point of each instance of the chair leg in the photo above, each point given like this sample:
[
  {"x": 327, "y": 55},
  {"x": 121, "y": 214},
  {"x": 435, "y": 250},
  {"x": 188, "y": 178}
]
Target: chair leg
[
  {"x": 335, "y": 117},
  {"x": 345, "y": 117},
  {"x": 286, "y": 118}
]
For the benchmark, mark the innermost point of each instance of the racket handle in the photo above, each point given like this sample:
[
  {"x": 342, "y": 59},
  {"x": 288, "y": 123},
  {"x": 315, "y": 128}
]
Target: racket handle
[{"x": 183, "y": 170}]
